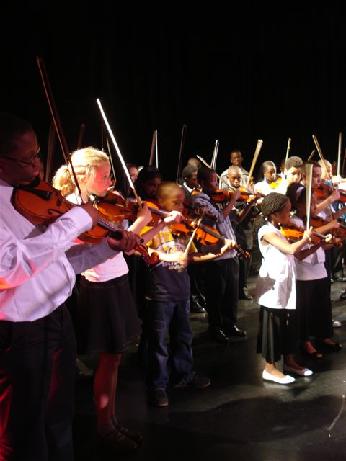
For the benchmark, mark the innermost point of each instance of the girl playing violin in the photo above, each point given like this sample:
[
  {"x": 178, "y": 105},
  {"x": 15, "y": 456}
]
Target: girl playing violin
[
  {"x": 276, "y": 292},
  {"x": 106, "y": 316},
  {"x": 314, "y": 309}
]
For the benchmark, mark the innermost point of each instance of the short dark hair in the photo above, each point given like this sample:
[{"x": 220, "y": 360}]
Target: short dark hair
[
  {"x": 188, "y": 171},
  {"x": 204, "y": 173},
  {"x": 11, "y": 127},
  {"x": 296, "y": 193},
  {"x": 293, "y": 161}
]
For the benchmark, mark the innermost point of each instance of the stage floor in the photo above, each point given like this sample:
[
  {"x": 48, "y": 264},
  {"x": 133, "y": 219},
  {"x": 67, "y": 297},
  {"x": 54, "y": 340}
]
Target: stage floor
[{"x": 239, "y": 417}]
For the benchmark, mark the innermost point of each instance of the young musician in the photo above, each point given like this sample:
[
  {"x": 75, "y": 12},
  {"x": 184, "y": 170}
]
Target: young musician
[
  {"x": 221, "y": 274},
  {"x": 168, "y": 310},
  {"x": 271, "y": 181},
  {"x": 314, "y": 309},
  {"x": 276, "y": 292},
  {"x": 37, "y": 272},
  {"x": 236, "y": 160},
  {"x": 106, "y": 319}
]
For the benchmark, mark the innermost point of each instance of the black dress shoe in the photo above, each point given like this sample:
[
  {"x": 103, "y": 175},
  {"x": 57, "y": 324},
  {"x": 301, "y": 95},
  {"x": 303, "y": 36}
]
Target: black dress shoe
[
  {"x": 196, "y": 308},
  {"x": 236, "y": 332},
  {"x": 219, "y": 336}
]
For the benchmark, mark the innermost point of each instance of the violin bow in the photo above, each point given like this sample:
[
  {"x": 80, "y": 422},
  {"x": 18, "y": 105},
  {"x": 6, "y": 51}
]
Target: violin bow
[
  {"x": 154, "y": 151},
  {"x": 55, "y": 118},
  {"x": 339, "y": 156},
  {"x": 214, "y": 157},
  {"x": 189, "y": 243},
  {"x": 80, "y": 136},
  {"x": 121, "y": 158},
  {"x": 210, "y": 168},
  {"x": 287, "y": 151},
  {"x": 319, "y": 150},
  {"x": 254, "y": 159},
  {"x": 308, "y": 180},
  {"x": 181, "y": 148},
  {"x": 50, "y": 152},
  {"x": 311, "y": 155}
]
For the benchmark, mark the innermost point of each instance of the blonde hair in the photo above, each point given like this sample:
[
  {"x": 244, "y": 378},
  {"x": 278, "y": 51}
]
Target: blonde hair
[
  {"x": 84, "y": 162},
  {"x": 166, "y": 189}
]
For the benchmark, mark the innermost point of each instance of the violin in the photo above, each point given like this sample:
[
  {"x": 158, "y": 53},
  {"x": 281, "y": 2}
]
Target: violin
[
  {"x": 323, "y": 191},
  {"x": 293, "y": 234},
  {"x": 318, "y": 222},
  {"x": 208, "y": 239},
  {"x": 41, "y": 203},
  {"x": 115, "y": 207},
  {"x": 221, "y": 195}
]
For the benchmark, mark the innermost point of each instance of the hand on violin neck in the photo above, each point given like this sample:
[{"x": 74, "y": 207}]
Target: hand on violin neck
[
  {"x": 127, "y": 242},
  {"x": 307, "y": 235},
  {"x": 144, "y": 214},
  {"x": 335, "y": 195},
  {"x": 173, "y": 216}
]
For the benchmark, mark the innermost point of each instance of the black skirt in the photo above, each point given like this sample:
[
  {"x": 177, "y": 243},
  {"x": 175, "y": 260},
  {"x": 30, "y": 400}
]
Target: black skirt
[
  {"x": 106, "y": 317},
  {"x": 277, "y": 333},
  {"x": 314, "y": 309}
]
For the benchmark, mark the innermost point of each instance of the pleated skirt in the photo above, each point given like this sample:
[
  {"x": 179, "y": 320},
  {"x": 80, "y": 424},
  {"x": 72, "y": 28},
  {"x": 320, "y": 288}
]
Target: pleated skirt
[{"x": 277, "y": 333}]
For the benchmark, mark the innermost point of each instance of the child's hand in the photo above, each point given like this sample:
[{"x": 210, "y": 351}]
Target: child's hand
[
  {"x": 307, "y": 234},
  {"x": 144, "y": 214},
  {"x": 335, "y": 195},
  {"x": 181, "y": 259},
  {"x": 173, "y": 216}
]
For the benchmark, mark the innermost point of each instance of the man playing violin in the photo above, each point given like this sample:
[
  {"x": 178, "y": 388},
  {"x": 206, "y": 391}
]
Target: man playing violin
[{"x": 37, "y": 274}]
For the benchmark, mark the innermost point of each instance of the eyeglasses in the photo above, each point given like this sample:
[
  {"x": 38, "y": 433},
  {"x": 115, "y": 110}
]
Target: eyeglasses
[{"x": 25, "y": 163}]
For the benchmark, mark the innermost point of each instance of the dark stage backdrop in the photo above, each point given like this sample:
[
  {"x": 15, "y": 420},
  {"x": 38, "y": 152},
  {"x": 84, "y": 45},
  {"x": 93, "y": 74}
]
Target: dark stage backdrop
[{"x": 256, "y": 72}]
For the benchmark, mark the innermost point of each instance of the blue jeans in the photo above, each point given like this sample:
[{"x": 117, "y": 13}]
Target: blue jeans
[{"x": 173, "y": 319}]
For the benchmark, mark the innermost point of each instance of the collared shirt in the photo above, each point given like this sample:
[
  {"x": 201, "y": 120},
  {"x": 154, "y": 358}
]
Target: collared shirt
[
  {"x": 223, "y": 224},
  {"x": 224, "y": 181},
  {"x": 38, "y": 263},
  {"x": 265, "y": 188}
]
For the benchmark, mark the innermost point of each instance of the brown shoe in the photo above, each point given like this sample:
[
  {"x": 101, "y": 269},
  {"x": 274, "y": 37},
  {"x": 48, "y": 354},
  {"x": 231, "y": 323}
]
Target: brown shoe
[{"x": 118, "y": 443}]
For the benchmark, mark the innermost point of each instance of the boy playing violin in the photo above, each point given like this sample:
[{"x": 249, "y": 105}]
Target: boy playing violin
[
  {"x": 168, "y": 309},
  {"x": 221, "y": 274}
]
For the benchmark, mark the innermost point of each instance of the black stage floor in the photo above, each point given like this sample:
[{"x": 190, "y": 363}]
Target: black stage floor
[{"x": 239, "y": 417}]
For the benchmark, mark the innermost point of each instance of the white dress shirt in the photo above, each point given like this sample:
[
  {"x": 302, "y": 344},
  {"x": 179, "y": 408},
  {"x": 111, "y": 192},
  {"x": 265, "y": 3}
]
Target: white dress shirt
[
  {"x": 38, "y": 263},
  {"x": 312, "y": 267},
  {"x": 276, "y": 282}
]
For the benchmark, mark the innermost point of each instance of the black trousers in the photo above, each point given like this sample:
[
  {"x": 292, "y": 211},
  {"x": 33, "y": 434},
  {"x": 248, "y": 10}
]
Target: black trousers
[
  {"x": 222, "y": 293},
  {"x": 37, "y": 372}
]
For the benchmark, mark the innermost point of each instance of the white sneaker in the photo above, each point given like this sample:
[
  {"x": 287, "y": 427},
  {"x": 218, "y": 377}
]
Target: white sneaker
[
  {"x": 286, "y": 379},
  {"x": 336, "y": 324},
  {"x": 301, "y": 372}
]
